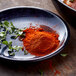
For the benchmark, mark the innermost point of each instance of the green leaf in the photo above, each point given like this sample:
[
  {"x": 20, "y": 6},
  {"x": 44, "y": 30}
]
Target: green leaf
[
  {"x": 41, "y": 72},
  {"x": 10, "y": 31},
  {"x": 18, "y": 31},
  {"x": 10, "y": 43},
  {"x": 1, "y": 25},
  {"x": 5, "y": 42},
  {"x": 11, "y": 24},
  {"x": 6, "y": 23},
  {"x": 64, "y": 55},
  {"x": 12, "y": 54},
  {"x": 2, "y": 34},
  {"x": 10, "y": 50},
  {"x": 10, "y": 47},
  {"x": 17, "y": 48},
  {"x": 25, "y": 52},
  {"x": 13, "y": 29},
  {"x": 9, "y": 28}
]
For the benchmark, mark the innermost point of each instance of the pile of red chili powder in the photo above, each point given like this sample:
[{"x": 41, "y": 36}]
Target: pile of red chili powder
[{"x": 39, "y": 42}]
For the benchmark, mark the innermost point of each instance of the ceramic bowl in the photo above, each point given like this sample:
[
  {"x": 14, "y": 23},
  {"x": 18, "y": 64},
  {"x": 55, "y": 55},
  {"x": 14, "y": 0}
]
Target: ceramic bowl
[
  {"x": 66, "y": 11},
  {"x": 22, "y": 17}
]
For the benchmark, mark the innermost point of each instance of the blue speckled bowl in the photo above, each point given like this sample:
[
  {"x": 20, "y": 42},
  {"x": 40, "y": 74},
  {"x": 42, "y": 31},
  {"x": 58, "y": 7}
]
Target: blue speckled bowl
[{"x": 22, "y": 17}]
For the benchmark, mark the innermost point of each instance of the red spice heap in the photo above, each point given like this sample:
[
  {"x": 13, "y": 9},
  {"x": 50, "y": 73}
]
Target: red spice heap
[{"x": 39, "y": 42}]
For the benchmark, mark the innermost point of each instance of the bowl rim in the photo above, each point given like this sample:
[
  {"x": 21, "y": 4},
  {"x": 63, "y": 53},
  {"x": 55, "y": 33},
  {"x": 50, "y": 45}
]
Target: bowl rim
[
  {"x": 47, "y": 56},
  {"x": 67, "y": 5}
]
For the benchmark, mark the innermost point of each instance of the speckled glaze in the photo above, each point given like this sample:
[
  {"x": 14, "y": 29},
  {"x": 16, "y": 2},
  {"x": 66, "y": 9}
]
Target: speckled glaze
[{"x": 22, "y": 17}]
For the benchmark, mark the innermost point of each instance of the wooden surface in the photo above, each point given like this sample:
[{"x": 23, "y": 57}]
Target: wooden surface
[{"x": 65, "y": 65}]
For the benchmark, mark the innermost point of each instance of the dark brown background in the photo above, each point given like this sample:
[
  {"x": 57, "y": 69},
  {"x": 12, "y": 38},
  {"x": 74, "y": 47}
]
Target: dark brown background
[{"x": 66, "y": 65}]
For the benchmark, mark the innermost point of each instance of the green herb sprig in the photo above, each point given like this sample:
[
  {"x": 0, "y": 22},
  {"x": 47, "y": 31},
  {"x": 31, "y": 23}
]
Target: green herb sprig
[
  {"x": 41, "y": 72},
  {"x": 63, "y": 55},
  {"x": 12, "y": 49},
  {"x": 9, "y": 28}
]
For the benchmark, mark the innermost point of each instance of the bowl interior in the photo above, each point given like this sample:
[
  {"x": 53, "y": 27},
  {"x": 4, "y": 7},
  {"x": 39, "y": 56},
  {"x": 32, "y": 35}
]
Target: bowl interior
[{"x": 23, "y": 17}]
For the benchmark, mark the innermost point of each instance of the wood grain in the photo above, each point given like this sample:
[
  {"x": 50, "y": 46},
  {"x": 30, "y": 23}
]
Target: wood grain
[{"x": 66, "y": 65}]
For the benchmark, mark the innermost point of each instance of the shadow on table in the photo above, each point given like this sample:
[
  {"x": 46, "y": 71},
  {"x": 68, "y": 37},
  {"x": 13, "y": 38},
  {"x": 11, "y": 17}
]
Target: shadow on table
[{"x": 34, "y": 68}]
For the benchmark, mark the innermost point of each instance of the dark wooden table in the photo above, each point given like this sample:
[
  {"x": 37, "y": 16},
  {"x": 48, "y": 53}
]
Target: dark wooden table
[{"x": 62, "y": 66}]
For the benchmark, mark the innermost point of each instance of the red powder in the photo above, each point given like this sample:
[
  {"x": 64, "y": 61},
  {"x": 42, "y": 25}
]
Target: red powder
[
  {"x": 49, "y": 65},
  {"x": 56, "y": 72},
  {"x": 39, "y": 42}
]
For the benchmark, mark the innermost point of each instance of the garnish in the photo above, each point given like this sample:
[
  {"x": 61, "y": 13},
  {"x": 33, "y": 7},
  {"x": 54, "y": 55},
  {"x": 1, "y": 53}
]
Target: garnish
[
  {"x": 5, "y": 42},
  {"x": 2, "y": 36},
  {"x": 25, "y": 52},
  {"x": 12, "y": 54},
  {"x": 64, "y": 55},
  {"x": 41, "y": 72},
  {"x": 8, "y": 28},
  {"x": 17, "y": 48},
  {"x": 12, "y": 49}
]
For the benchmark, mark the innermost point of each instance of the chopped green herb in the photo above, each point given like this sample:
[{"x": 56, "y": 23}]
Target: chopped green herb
[
  {"x": 25, "y": 52},
  {"x": 11, "y": 24},
  {"x": 13, "y": 29},
  {"x": 10, "y": 50},
  {"x": 5, "y": 42},
  {"x": 2, "y": 34},
  {"x": 64, "y": 55},
  {"x": 10, "y": 47},
  {"x": 41, "y": 72},
  {"x": 1, "y": 25},
  {"x": 10, "y": 43},
  {"x": 6, "y": 23},
  {"x": 9, "y": 28},
  {"x": 17, "y": 48},
  {"x": 12, "y": 54}
]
